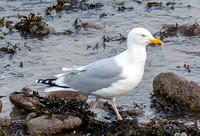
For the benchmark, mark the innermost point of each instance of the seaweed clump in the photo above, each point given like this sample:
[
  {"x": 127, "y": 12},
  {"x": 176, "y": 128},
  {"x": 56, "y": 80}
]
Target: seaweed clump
[
  {"x": 10, "y": 48},
  {"x": 5, "y": 29},
  {"x": 161, "y": 5},
  {"x": 33, "y": 24},
  {"x": 175, "y": 30},
  {"x": 132, "y": 127},
  {"x": 163, "y": 103},
  {"x": 73, "y": 107},
  {"x": 121, "y": 7},
  {"x": 72, "y": 5},
  {"x": 7, "y": 24}
]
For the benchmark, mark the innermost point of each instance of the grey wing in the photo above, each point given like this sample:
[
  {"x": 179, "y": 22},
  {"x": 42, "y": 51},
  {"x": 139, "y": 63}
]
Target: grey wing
[{"x": 99, "y": 75}]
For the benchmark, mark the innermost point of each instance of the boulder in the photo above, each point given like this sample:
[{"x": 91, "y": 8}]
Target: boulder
[
  {"x": 28, "y": 103},
  {"x": 174, "y": 87},
  {"x": 53, "y": 124}
]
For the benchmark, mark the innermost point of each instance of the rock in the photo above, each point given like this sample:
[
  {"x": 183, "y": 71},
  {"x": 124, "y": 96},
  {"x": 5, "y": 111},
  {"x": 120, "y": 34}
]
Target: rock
[
  {"x": 72, "y": 122},
  {"x": 5, "y": 122},
  {"x": 134, "y": 111},
  {"x": 93, "y": 25},
  {"x": 51, "y": 30},
  {"x": 44, "y": 125},
  {"x": 68, "y": 95},
  {"x": 26, "y": 90},
  {"x": 177, "y": 88},
  {"x": 28, "y": 103},
  {"x": 52, "y": 125},
  {"x": 180, "y": 134},
  {"x": 197, "y": 31},
  {"x": 46, "y": 30}
]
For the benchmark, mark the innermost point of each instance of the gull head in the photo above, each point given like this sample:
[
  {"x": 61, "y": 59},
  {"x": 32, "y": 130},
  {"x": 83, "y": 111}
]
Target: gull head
[{"x": 141, "y": 36}]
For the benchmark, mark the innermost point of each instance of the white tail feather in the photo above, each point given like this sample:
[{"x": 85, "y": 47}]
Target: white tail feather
[
  {"x": 67, "y": 69},
  {"x": 53, "y": 89},
  {"x": 79, "y": 68}
]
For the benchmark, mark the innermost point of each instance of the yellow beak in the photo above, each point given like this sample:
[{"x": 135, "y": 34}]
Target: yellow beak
[{"x": 156, "y": 41}]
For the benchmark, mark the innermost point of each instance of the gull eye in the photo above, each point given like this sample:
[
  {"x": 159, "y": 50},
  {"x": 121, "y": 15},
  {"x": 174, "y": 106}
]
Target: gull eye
[{"x": 143, "y": 35}]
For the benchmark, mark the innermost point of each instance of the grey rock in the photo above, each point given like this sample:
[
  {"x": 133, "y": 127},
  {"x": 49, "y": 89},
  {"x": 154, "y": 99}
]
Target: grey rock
[
  {"x": 28, "y": 103},
  {"x": 52, "y": 125},
  {"x": 43, "y": 125},
  {"x": 72, "y": 122},
  {"x": 175, "y": 87}
]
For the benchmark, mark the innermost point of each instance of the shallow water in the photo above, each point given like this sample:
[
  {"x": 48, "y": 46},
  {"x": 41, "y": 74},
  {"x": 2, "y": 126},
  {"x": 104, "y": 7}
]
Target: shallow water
[{"x": 46, "y": 56}]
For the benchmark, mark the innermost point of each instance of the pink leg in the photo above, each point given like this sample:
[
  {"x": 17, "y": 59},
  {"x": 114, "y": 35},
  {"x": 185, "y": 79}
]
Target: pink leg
[
  {"x": 115, "y": 109},
  {"x": 94, "y": 105}
]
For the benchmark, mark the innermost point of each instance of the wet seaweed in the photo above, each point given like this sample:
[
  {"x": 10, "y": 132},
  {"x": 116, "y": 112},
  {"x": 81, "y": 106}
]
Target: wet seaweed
[
  {"x": 169, "y": 106},
  {"x": 120, "y": 6},
  {"x": 7, "y": 24},
  {"x": 102, "y": 15},
  {"x": 9, "y": 48},
  {"x": 127, "y": 127},
  {"x": 187, "y": 67},
  {"x": 31, "y": 25},
  {"x": 56, "y": 105},
  {"x": 168, "y": 5},
  {"x": 154, "y": 4},
  {"x": 176, "y": 30},
  {"x": 72, "y": 5},
  {"x": 106, "y": 39}
]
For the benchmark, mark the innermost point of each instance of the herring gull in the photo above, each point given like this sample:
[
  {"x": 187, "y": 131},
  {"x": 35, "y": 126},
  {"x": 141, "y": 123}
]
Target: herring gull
[{"x": 110, "y": 77}]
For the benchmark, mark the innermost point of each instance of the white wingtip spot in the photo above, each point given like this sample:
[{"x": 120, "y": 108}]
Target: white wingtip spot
[
  {"x": 47, "y": 81},
  {"x": 53, "y": 82},
  {"x": 38, "y": 81},
  {"x": 66, "y": 69}
]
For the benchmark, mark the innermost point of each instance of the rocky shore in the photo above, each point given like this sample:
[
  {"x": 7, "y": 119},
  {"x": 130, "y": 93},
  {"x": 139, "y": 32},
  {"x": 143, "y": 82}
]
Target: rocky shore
[{"x": 50, "y": 115}]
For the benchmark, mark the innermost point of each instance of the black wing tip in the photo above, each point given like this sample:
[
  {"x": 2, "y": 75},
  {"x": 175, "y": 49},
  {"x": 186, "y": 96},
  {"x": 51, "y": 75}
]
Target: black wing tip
[{"x": 50, "y": 82}]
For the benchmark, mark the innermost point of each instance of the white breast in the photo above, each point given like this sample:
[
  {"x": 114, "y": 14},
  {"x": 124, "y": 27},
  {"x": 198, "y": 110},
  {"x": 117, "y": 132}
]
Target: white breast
[{"x": 132, "y": 74}]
